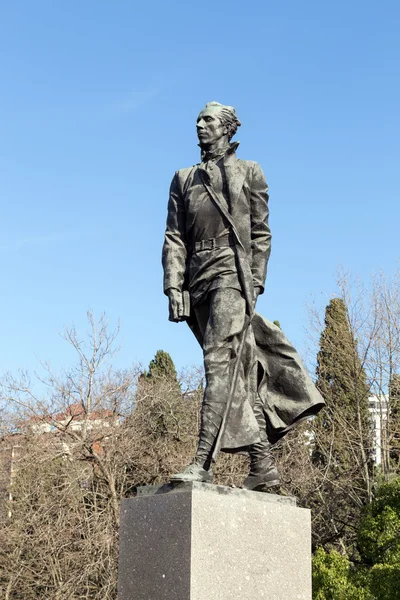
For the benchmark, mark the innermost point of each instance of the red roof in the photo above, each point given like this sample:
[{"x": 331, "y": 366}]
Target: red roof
[
  {"x": 77, "y": 412},
  {"x": 73, "y": 412}
]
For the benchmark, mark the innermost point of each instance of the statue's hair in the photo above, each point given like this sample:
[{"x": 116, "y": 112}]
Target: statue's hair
[{"x": 227, "y": 116}]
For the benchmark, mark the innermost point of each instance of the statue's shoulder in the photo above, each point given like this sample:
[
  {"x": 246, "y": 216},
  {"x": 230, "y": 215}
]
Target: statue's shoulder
[
  {"x": 250, "y": 164},
  {"x": 253, "y": 169},
  {"x": 183, "y": 174}
]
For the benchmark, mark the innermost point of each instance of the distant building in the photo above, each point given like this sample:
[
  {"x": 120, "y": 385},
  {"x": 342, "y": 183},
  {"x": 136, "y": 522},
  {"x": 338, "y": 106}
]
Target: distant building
[
  {"x": 73, "y": 418},
  {"x": 378, "y": 408}
]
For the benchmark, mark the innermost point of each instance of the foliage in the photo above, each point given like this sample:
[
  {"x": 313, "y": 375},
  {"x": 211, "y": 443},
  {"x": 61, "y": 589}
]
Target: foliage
[
  {"x": 384, "y": 582},
  {"x": 334, "y": 578},
  {"x": 377, "y": 576},
  {"x": 379, "y": 532},
  {"x": 379, "y": 541},
  {"x": 341, "y": 380},
  {"x": 341, "y": 434},
  {"x": 161, "y": 365}
]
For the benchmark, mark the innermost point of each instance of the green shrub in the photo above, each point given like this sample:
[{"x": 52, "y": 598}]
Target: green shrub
[{"x": 334, "y": 578}]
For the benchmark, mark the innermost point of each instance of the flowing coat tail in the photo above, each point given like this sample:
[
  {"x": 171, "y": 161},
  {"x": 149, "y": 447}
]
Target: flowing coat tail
[
  {"x": 288, "y": 394},
  {"x": 287, "y": 391}
]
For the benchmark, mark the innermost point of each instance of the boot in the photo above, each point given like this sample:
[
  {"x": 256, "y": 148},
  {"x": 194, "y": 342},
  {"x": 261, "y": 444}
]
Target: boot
[
  {"x": 200, "y": 469},
  {"x": 263, "y": 472},
  {"x": 193, "y": 472}
]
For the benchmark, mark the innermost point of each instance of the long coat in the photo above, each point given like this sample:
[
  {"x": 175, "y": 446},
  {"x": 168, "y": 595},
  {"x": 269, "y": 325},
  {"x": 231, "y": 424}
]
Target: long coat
[{"x": 287, "y": 392}]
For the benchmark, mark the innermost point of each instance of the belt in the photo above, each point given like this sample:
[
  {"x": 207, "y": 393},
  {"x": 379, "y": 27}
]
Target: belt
[{"x": 221, "y": 242}]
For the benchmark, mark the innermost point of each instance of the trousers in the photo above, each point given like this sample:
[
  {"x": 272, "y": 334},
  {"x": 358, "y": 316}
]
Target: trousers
[{"x": 220, "y": 319}]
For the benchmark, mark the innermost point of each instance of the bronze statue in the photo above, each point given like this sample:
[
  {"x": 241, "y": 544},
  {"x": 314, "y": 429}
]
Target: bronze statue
[{"x": 215, "y": 254}]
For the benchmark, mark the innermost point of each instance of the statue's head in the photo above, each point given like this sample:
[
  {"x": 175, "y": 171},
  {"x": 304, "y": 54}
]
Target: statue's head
[{"x": 215, "y": 122}]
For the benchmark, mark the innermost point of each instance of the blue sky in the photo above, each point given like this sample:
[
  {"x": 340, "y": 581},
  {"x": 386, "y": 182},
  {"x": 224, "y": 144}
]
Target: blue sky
[{"x": 98, "y": 107}]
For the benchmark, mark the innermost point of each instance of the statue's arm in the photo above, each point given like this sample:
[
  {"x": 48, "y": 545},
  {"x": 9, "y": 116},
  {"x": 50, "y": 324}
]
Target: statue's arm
[
  {"x": 174, "y": 251},
  {"x": 260, "y": 231}
]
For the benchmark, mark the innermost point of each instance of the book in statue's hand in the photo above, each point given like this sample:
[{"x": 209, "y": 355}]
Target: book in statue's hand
[{"x": 185, "y": 305}]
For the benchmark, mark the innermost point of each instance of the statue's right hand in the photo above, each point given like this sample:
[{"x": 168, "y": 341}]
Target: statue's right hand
[{"x": 175, "y": 305}]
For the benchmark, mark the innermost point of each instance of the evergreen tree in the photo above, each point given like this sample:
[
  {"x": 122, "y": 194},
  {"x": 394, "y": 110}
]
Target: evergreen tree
[
  {"x": 342, "y": 432},
  {"x": 339, "y": 370},
  {"x": 162, "y": 365}
]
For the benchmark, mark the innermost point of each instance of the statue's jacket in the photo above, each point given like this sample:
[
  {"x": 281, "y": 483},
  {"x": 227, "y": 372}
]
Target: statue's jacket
[{"x": 287, "y": 392}]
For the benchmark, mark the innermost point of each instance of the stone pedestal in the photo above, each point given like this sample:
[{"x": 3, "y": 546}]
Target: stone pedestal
[{"x": 203, "y": 542}]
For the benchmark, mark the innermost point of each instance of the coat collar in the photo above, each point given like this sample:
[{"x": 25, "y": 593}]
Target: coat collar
[
  {"x": 235, "y": 171},
  {"x": 226, "y": 152}
]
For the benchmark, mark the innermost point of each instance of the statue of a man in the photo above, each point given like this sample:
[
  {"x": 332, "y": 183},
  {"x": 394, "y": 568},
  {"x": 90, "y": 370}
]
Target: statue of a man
[{"x": 216, "y": 250}]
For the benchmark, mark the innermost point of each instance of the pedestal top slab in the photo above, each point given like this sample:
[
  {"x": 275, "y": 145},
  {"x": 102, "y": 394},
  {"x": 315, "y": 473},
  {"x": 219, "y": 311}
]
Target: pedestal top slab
[{"x": 173, "y": 488}]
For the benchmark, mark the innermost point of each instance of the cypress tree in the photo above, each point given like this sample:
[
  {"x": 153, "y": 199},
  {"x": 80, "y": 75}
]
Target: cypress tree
[
  {"x": 342, "y": 381},
  {"x": 162, "y": 365},
  {"x": 342, "y": 432}
]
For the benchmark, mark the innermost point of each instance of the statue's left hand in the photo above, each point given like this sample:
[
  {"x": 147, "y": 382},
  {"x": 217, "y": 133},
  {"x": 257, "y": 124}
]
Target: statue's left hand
[{"x": 175, "y": 305}]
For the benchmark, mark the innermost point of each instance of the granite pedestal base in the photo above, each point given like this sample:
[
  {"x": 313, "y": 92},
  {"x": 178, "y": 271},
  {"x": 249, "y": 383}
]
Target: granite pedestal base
[{"x": 203, "y": 542}]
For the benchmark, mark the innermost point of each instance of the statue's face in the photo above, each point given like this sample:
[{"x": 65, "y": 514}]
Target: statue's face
[{"x": 209, "y": 127}]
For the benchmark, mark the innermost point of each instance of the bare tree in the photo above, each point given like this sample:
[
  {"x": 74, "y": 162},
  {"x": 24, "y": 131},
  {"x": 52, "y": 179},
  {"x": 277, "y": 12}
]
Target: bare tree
[
  {"x": 61, "y": 540},
  {"x": 88, "y": 438},
  {"x": 383, "y": 365}
]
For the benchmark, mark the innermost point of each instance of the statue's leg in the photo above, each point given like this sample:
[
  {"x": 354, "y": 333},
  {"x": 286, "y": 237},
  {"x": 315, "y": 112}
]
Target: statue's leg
[{"x": 220, "y": 319}]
